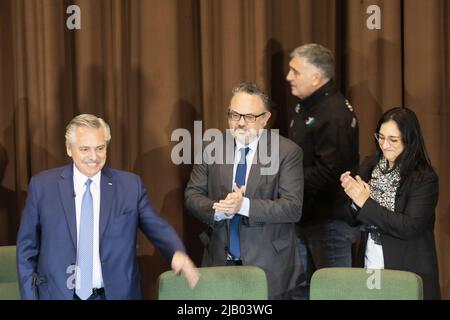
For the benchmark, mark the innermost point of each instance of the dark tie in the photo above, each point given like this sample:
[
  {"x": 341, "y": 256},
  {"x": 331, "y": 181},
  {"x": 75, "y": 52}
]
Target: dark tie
[
  {"x": 239, "y": 179},
  {"x": 85, "y": 245}
]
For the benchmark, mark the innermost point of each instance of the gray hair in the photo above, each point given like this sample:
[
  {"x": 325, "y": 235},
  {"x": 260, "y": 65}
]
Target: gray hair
[
  {"x": 318, "y": 56},
  {"x": 252, "y": 89},
  {"x": 86, "y": 120}
]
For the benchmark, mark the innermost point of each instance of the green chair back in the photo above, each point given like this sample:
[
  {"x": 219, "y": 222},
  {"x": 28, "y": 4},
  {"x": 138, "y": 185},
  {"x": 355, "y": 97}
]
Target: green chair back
[
  {"x": 365, "y": 284},
  {"x": 9, "y": 285},
  {"x": 216, "y": 283}
]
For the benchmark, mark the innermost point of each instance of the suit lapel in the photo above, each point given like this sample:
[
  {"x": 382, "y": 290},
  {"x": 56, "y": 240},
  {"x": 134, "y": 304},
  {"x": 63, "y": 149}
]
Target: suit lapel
[
  {"x": 226, "y": 170},
  {"x": 66, "y": 193},
  {"x": 106, "y": 199},
  {"x": 226, "y": 178},
  {"x": 254, "y": 177}
]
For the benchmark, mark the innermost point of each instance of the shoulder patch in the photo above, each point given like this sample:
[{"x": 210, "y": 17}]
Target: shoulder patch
[{"x": 349, "y": 106}]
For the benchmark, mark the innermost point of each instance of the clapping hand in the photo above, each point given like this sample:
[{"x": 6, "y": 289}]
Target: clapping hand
[
  {"x": 232, "y": 203},
  {"x": 357, "y": 189}
]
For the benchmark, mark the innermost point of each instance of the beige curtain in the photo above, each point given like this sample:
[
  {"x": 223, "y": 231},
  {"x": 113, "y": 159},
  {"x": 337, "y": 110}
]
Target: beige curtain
[{"x": 151, "y": 66}]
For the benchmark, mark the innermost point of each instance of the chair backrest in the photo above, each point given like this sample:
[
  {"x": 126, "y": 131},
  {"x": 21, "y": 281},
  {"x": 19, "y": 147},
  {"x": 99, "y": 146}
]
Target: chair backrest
[
  {"x": 365, "y": 284},
  {"x": 216, "y": 283},
  {"x": 9, "y": 285}
]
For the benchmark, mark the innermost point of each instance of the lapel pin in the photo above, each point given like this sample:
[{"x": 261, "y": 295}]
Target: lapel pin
[
  {"x": 110, "y": 183},
  {"x": 310, "y": 121}
]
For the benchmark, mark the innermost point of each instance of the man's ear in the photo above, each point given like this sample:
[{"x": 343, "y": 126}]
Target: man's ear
[
  {"x": 68, "y": 149},
  {"x": 267, "y": 116},
  {"x": 317, "y": 78}
]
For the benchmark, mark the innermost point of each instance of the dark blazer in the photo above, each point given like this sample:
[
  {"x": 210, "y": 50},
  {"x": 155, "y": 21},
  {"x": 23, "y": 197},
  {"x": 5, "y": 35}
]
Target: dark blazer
[
  {"x": 267, "y": 236},
  {"x": 325, "y": 126},
  {"x": 407, "y": 235},
  {"x": 47, "y": 239}
]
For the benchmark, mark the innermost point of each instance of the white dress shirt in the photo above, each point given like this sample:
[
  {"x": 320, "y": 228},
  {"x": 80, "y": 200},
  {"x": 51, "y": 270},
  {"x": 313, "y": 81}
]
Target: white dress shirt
[
  {"x": 245, "y": 207},
  {"x": 374, "y": 258},
  {"x": 79, "y": 186}
]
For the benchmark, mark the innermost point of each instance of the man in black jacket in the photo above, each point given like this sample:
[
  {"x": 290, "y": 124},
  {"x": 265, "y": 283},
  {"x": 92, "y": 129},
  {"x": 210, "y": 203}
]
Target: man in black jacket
[{"x": 325, "y": 126}]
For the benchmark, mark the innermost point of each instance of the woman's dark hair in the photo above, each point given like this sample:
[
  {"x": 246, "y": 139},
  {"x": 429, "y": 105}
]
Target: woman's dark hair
[{"x": 414, "y": 160}]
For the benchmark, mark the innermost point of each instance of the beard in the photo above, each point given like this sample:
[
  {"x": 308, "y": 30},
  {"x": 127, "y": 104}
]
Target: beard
[{"x": 244, "y": 135}]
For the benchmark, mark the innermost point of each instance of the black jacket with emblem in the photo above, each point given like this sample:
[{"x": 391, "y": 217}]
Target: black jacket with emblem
[{"x": 325, "y": 126}]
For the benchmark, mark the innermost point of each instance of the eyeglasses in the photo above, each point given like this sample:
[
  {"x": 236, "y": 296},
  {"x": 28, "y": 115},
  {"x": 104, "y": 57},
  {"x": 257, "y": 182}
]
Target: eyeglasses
[
  {"x": 393, "y": 141},
  {"x": 250, "y": 118}
]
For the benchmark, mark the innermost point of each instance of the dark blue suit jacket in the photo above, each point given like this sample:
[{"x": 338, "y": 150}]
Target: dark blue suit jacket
[{"x": 46, "y": 244}]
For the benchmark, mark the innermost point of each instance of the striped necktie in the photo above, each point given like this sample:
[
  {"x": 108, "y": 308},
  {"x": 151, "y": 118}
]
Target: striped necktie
[
  {"x": 239, "y": 179},
  {"x": 85, "y": 245}
]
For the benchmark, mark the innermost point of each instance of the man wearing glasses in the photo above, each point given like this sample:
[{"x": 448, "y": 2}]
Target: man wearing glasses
[
  {"x": 324, "y": 125},
  {"x": 251, "y": 213}
]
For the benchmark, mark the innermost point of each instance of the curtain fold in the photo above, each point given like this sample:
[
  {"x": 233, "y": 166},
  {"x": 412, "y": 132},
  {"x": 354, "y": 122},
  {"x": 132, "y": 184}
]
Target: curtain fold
[{"x": 373, "y": 65}]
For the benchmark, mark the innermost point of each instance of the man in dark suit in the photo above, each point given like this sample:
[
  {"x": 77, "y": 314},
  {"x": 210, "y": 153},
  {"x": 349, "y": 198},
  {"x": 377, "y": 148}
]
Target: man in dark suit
[
  {"x": 251, "y": 205},
  {"x": 77, "y": 238},
  {"x": 324, "y": 125}
]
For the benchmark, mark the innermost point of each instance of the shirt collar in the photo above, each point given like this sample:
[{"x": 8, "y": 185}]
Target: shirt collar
[
  {"x": 321, "y": 93},
  {"x": 80, "y": 179}
]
